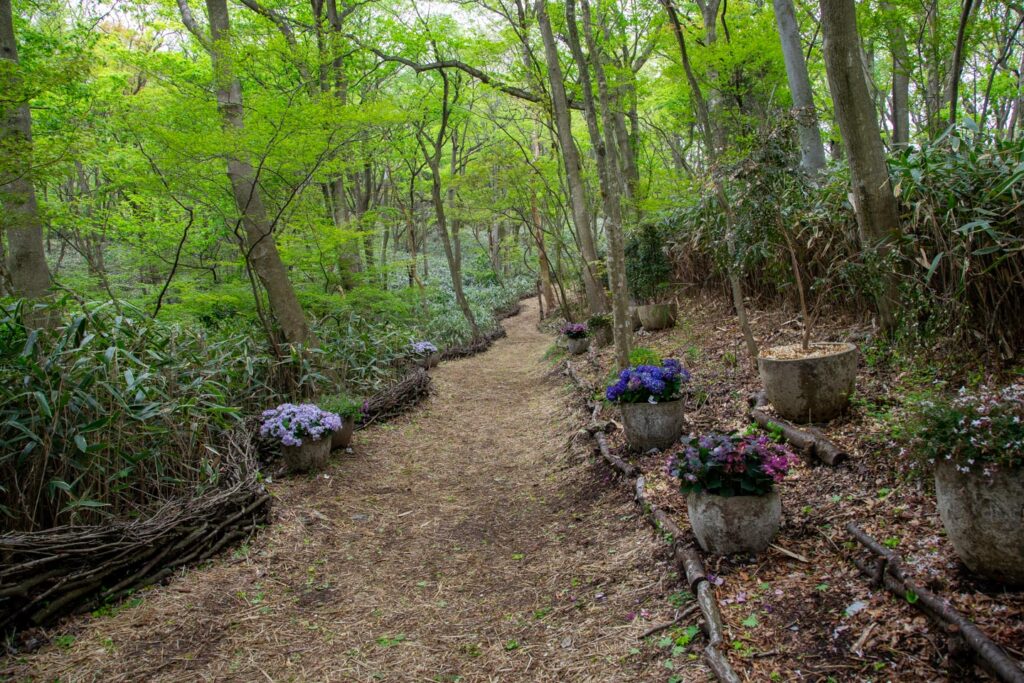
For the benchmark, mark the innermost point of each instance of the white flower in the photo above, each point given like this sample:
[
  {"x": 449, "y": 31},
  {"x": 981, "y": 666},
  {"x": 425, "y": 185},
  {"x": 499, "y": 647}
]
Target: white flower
[{"x": 652, "y": 400}]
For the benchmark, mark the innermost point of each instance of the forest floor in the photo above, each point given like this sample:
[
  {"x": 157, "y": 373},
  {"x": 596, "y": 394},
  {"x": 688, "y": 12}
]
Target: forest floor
[
  {"x": 470, "y": 540},
  {"x": 816, "y": 618}
]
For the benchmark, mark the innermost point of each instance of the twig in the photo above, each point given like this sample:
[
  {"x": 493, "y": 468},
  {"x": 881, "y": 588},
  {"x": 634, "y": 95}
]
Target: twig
[{"x": 657, "y": 628}]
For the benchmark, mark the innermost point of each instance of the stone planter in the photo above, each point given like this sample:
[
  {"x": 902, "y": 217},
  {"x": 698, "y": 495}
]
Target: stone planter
[
  {"x": 431, "y": 361},
  {"x": 813, "y": 388},
  {"x": 343, "y": 437},
  {"x": 602, "y": 335},
  {"x": 734, "y": 524},
  {"x": 984, "y": 519},
  {"x": 311, "y": 456},
  {"x": 652, "y": 425},
  {"x": 577, "y": 346},
  {"x": 634, "y": 318},
  {"x": 657, "y": 316}
]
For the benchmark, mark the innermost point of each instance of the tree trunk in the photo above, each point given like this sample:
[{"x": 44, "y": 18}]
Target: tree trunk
[
  {"x": 608, "y": 168},
  {"x": 26, "y": 260},
  {"x": 812, "y": 152},
  {"x": 874, "y": 201},
  {"x": 596, "y": 300},
  {"x": 707, "y": 128},
  {"x": 900, "y": 77},
  {"x": 261, "y": 249}
]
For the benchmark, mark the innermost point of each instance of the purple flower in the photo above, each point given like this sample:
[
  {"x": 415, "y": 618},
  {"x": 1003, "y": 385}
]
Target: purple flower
[
  {"x": 574, "y": 330},
  {"x": 649, "y": 383},
  {"x": 423, "y": 348},
  {"x": 731, "y": 465},
  {"x": 289, "y": 423}
]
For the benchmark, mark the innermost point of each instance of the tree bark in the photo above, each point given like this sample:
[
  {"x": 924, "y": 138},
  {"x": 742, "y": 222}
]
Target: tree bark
[
  {"x": 874, "y": 201},
  {"x": 707, "y": 128},
  {"x": 812, "y": 151},
  {"x": 608, "y": 168},
  {"x": 597, "y": 302},
  {"x": 26, "y": 259},
  {"x": 900, "y": 77},
  {"x": 260, "y": 247}
]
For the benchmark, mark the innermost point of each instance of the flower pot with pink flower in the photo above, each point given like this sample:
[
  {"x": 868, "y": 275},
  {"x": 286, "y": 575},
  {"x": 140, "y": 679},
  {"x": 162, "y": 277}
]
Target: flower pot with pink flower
[
  {"x": 729, "y": 481},
  {"x": 577, "y": 337},
  {"x": 304, "y": 432}
]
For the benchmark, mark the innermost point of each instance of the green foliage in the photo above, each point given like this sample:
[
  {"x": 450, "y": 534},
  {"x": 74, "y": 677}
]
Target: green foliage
[
  {"x": 975, "y": 430},
  {"x": 347, "y": 407},
  {"x": 107, "y": 413},
  {"x": 648, "y": 270},
  {"x": 641, "y": 355},
  {"x": 963, "y": 229}
]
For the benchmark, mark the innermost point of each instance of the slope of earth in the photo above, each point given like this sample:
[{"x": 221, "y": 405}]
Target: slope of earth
[{"x": 471, "y": 540}]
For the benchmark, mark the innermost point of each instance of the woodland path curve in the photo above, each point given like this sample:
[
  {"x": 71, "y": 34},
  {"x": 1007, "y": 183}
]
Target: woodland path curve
[{"x": 469, "y": 540}]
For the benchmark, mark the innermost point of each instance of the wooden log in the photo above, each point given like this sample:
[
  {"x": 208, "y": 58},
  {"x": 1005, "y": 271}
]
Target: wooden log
[
  {"x": 692, "y": 566},
  {"x": 990, "y": 655},
  {"x": 626, "y": 469},
  {"x": 813, "y": 443},
  {"x": 719, "y": 665},
  {"x": 712, "y": 616}
]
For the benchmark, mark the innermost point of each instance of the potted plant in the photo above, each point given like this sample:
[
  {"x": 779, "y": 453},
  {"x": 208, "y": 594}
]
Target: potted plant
[
  {"x": 304, "y": 432},
  {"x": 975, "y": 442},
  {"x": 648, "y": 272},
  {"x": 350, "y": 410},
  {"x": 600, "y": 326},
  {"x": 651, "y": 400},
  {"x": 425, "y": 354},
  {"x": 577, "y": 337},
  {"x": 729, "y": 482},
  {"x": 805, "y": 382}
]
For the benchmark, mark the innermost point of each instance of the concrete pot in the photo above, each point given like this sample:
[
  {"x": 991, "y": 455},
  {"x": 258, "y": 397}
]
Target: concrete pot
[
  {"x": 734, "y": 524},
  {"x": 343, "y": 437},
  {"x": 431, "y": 361},
  {"x": 652, "y": 425},
  {"x": 602, "y": 335},
  {"x": 634, "y": 318},
  {"x": 657, "y": 316},
  {"x": 984, "y": 519},
  {"x": 814, "y": 389},
  {"x": 311, "y": 456},
  {"x": 578, "y": 346}
]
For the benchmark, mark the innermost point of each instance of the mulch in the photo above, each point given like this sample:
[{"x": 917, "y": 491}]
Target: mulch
[{"x": 816, "y": 618}]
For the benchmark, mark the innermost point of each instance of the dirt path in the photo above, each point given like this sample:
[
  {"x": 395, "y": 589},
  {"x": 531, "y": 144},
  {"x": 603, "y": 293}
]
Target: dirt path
[{"x": 463, "y": 542}]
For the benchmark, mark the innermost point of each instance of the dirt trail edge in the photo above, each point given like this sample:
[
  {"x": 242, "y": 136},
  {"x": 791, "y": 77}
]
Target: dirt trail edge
[{"x": 465, "y": 541}]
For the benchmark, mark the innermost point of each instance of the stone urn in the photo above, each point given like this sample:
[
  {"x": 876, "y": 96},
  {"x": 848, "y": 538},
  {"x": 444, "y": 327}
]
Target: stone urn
[
  {"x": 634, "y": 318},
  {"x": 809, "y": 388},
  {"x": 311, "y": 456},
  {"x": 602, "y": 335},
  {"x": 657, "y": 316},
  {"x": 652, "y": 425},
  {"x": 431, "y": 361},
  {"x": 734, "y": 524},
  {"x": 343, "y": 437},
  {"x": 578, "y": 346},
  {"x": 984, "y": 519}
]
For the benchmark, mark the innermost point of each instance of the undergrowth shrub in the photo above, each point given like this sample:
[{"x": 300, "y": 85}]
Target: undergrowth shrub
[{"x": 109, "y": 412}]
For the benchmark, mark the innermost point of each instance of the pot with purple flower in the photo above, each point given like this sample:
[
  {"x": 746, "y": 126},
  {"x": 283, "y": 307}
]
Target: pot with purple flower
[
  {"x": 577, "y": 337},
  {"x": 730, "y": 485},
  {"x": 426, "y": 354},
  {"x": 304, "y": 432},
  {"x": 651, "y": 400},
  {"x": 975, "y": 442}
]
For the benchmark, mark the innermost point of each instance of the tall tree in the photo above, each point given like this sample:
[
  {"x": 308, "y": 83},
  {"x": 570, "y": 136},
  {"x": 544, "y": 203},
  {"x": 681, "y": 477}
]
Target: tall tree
[
  {"x": 812, "y": 151},
  {"x": 260, "y": 246},
  {"x": 26, "y": 260},
  {"x": 596, "y": 299},
  {"x": 873, "y": 198}
]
